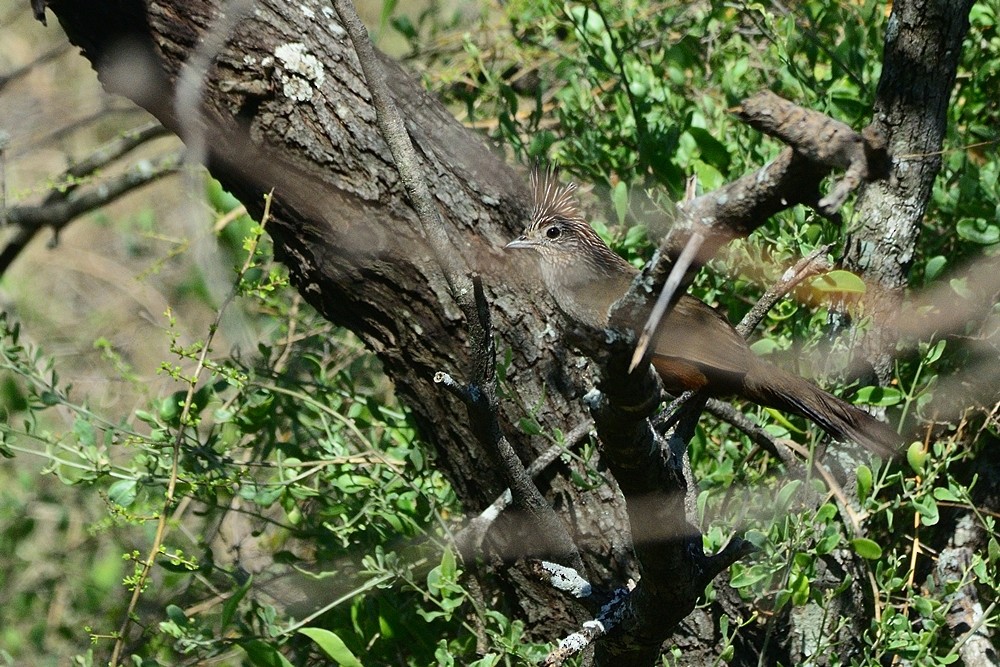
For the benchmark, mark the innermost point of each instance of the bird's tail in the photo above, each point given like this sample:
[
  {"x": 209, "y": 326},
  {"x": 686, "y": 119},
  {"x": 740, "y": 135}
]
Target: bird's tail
[{"x": 775, "y": 388}]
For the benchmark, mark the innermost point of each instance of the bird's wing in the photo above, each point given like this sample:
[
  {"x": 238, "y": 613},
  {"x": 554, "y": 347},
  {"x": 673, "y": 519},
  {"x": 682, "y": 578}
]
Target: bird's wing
[{"x": 698, "y": 333}]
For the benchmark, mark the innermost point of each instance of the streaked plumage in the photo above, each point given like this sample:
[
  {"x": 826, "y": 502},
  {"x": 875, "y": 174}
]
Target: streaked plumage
[{"x": 695, "y": 348}]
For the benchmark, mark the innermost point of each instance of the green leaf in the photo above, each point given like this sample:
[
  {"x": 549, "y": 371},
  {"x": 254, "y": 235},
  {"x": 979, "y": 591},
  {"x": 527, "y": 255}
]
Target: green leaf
[
  {"x": 785, "y": 495},
  {"x": 946, "y": 494},
  {"x": 993, "y": 550},
  {"x": 220, "y": 199},
  {"x": 264, "y": 655},
  {"x": 826, "y": 512},
  {"x": 864, "y": 477},
  {"x": 782, "y": 599},
  {"x": 529, "y": 426},
  {"x": 713, "y": 151},
  {"x": 924, "y": 606},
  {"x": 916, "y": 456},
  {"x": 935, "y": 352},
  {"x": 935, "y": 265},
  {"x": 146, "y": 417},
  {"x": 176, "y": 614},
  {"x": 866, "y": 548},
  {"x": 173, "y": 566},
  {"x": 927, "y": 509},
  {"x": 404, "y": 26},
  {"x": 85, "y": 433},
  {"x": 828, "y": 543},
  {"x": 882, "y": 396},
  {"x": 449, "y": 568},
  {"x": 170, "y": 407},
  {"x": 122, "y": 492},
  {"x": 800, "y": 590},
  {"x": 764, "y": 346},
  {"x": 978, "y": 230},
  {"x": 838, "y": 282},
  {"x": 388, "y": 7},
  {"x": 333, "y": 646},
  {"x": 434, "y": 580},
  {"x": 230, "y": 606},
  {"x": 961, "y": 287},
  {"x": 267, "y": 495},
  {"x": 708, "y": 175},
  {"x": 749, "y": 576}
]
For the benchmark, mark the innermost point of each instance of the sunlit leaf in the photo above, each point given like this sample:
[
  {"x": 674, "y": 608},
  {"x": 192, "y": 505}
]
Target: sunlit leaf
[{"x": 333, "y": 646}]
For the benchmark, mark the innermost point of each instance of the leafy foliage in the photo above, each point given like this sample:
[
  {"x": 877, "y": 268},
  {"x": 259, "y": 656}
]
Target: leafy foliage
[{"x": 299, "y": 451}]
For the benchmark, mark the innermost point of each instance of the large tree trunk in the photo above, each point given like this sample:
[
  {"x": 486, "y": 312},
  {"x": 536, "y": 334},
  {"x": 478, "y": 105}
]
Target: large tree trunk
[{"x": 342, "y": 224}]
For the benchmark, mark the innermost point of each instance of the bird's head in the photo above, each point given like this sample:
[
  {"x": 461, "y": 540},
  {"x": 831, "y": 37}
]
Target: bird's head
[
  {"x": 557, "y": 229},
  {"x": 580, "y": 271}
]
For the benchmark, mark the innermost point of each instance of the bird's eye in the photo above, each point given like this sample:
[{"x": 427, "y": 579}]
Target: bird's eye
[{"x": 553, "y": 232}]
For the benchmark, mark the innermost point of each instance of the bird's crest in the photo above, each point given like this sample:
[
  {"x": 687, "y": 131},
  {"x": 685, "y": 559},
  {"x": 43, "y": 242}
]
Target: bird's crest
[{"x": 550, "y": 199}]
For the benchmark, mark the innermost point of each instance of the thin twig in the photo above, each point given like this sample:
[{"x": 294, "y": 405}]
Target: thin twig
[
  {"x": 812, "y": 264},
  {"x": 103, "y": 156},
  {"x": 983, "y": 618},
  {"x": 394, "y": 132},
  {"x": 729, "y": 414},
  {"x": 666, "y": 298},
  {"x": 469, "y": 540},
  {"x": 56, "y": 215}
]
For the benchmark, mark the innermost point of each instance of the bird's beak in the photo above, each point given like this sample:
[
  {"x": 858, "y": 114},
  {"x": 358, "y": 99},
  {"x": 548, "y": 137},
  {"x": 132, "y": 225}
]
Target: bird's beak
[{"x": 520, "y": 242}]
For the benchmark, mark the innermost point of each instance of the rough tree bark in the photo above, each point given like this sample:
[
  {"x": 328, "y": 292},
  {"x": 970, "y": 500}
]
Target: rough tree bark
[
  {"x": 922, "y": 47},
  {"x": 285, "y": 107}
]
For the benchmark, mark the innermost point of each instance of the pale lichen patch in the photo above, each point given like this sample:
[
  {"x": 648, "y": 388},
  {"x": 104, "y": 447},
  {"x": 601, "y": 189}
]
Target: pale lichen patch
[{"x": 301, "y": 71}]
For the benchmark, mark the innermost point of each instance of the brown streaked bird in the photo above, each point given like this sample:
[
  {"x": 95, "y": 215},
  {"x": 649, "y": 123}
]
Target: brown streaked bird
[{"x": 695, "y": 347}]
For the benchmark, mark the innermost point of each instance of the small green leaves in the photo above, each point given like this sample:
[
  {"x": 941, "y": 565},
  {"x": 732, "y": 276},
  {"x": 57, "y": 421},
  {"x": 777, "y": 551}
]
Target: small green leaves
[
  {"x": 927, "y": 509},
  {"x": 978, "y": 230}
]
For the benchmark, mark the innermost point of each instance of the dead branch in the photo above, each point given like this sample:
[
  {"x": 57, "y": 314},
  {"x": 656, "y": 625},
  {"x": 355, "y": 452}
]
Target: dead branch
[{"x": 31, "y": 219}]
